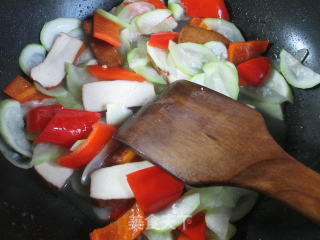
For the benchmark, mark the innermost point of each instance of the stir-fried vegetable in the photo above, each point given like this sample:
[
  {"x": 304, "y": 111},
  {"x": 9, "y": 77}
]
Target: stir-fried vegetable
[
  {"x": 114, "y": 64},
  {"x": 253, "y": 72},
  {"x": 154, "y": 189},
  {"x": 22, "y": 90},
  {"x": 38, "y": 118},
  {"x": 206, "y": 8},
  {"x": 67, "y": 126},
  {"x": 106, "y": 29},
  {"x": 114, "y": 73},
  {"x": 128, "y": 227},
  {"x": 100, "y": 135},
  {"x": 239, "y": 52},
  {"x": 161, "y": 40}
]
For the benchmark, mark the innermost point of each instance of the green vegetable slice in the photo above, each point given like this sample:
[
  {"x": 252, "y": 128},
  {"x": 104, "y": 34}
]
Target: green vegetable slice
[
  {"x": 134, "y": 9},
  {"x": 273, "y": 90},
  {"x": 78, "y": 33},
  {"x": 221, "y": 77},
  {"x": 174, "y": 215},
  {"x": 296, "y": 73},
  {"x": 31, "y": 56},
  {"x": 45, "y": 152},
  {"x": 76, "y": 77},
  {"x": 12, "y": 127},
  {"x": 226, "y": 28},
  {"x": 151, "y": 22},
  {"x": 190, "y": 57},
  {"x": 217, "y": 220},
  {"x": 13, "y": 157},
  {"x": 51, "y": 29}
]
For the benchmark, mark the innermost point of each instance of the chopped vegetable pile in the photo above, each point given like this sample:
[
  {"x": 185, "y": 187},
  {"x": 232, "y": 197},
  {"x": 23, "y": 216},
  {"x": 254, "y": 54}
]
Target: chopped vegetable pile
[{"x": 87, "y": 77}]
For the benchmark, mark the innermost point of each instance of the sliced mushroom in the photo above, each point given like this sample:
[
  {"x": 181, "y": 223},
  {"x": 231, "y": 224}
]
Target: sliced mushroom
[
  {"x": 105, "y": 53},
  {"x": 51, "y": 72},
  {"x": 200, "y": 35}
]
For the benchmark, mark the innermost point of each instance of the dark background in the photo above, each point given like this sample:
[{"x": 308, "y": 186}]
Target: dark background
[{"x": 31, "y": 210}]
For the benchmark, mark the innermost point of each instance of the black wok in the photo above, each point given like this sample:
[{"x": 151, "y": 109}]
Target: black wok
[{"x": 31, "y": 210}]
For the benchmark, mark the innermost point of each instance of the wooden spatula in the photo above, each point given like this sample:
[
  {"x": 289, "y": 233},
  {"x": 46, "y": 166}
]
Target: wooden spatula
[{"x": 205, "y": 138}]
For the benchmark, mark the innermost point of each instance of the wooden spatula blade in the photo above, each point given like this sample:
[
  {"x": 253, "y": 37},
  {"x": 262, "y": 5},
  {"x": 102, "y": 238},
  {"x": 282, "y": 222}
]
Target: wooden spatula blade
[{"x": 199, "y": 135}]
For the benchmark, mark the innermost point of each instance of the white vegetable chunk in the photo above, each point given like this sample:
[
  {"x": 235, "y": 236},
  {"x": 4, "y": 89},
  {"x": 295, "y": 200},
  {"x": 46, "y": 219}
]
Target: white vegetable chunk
[
  {"x": 111, "y": 182},
  {"x": 97, "y": 95},
  {"x": 53, "y": 173},
  {"x": 51, "y": 72},
  {"x": 116, "y": 114}
]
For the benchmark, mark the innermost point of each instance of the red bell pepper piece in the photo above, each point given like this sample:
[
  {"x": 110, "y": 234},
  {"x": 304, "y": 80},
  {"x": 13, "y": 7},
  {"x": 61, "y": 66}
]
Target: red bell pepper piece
[
  {"x": 127, "y": 227},
  {"x": 38, "y": 118},
  {"x": 106, "y": 30},
  {"x": 114, "y": 73},
  {"x": 22, "y": 90},
  {"x": 206, "y": 9},
  {"x": 154, "y": 189},
  {"x": 253, "y": 72},
  {"x": 239, "y": 52},
  {"x": 100, "y": 135},
  {"x": 158, "y": 4},
  {"x": 161, "y": 40},
  {"x": 195, "y": 227},
  {"x": 67, "y": 126}
]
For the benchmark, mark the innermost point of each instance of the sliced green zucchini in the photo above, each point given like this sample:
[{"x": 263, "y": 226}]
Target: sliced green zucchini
[
  {"x": 139, "y": 62},
  {"x": 273, "y": 110},
  {"x": 174, "y": 215},
  {"x": 221, "y": 77},
  {"x": 190, "y": 57},
  {"x": 217, "y": 220},
  {"x": 219, "y": 49},
  {"x": 150, "y": 74},
  {"x": 55, "y": 92},
  {"x": 75, "y": 78},
  {"x": 296, "y": 73},
  {"x": 62, "y": 96},
  {"x": 78, "y": 33},
  {"x": 177, "y": 11},
  {"x": 13, "y": 157},
  {"x": 45, "y": 152},
  {"x": 273, "y": 90},
  {"x": 160, "y": 59},
  {"x": 69, "y": 101},
  {"x": 226, "y": 28},
  {"x": 149, "y": 22},
  {"x": 51, "y": 29},
  {"x": 136, "y": 58},
  {"x": 31, "y": 56},
  {"x": 12, "y": 127},
  {"x": 212, "y": 197},
  {"x": 133, "y": 10}
]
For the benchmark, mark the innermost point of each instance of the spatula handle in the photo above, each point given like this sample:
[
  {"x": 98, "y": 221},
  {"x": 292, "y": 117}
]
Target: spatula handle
[{"x": 286, "y": 180}]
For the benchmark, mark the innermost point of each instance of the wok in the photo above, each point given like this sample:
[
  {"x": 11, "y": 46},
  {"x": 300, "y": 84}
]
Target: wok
[{"x": 30, "y": 209}]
